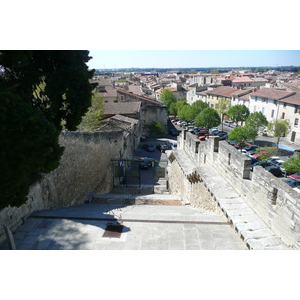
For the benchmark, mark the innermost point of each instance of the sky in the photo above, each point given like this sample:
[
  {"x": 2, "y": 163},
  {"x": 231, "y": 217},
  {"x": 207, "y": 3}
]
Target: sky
[{"x": 108, "y": 59}]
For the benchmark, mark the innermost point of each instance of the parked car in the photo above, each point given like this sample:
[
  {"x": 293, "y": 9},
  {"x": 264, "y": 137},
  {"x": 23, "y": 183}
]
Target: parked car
[
  {"x": 203, "y": 132},
  {"x": 165, "y": 146},
  {"x": 174, "y": 132},
  {"x": 273, "y": 159},
  {"x": 211, "y": 130},
  {"x": 251, "y": 148},
  {"x": 220, "y": 132},
  {"x": 263, "y": 164},
  {"x": 149, "y": 147},
  {"x": 228, "y": 123},
  {"x": 274, "y": 170},
  {"x": 223, "y": 137},
  {"x": 295, "y": 176},
  {"x": 278, "y": 163},
  {"x": 146, "y": 163},
  {"x": 195, "y": 130},
  {"x": 297, "y": 189},
  {"x": 292, "y": 182}
]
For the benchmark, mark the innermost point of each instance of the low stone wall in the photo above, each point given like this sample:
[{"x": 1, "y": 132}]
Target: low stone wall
[
  {"x": 277, "y": 204},
  {"x": 84, "y": 167},
  {"x": 185, "y": 181}
]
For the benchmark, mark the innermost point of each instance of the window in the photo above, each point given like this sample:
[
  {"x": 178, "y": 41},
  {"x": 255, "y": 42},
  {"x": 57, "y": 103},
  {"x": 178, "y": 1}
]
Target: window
[
  {"x": 282, "y": 116},
  {"x": 296, "y": 122},
  {"x": 272, "y": 114}
]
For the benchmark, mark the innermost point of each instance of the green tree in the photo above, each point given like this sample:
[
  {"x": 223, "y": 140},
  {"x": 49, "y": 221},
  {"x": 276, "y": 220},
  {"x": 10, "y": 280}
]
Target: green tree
[
  {"x": 222, "y": 107},
  {"x": 168, "y": 98},
  {"x": 293, "y": 164},
  {"x": 238, "y": 113},
  {"x": 279, "y": 128},
  {"x": 39, "y": 91},
  {"x": 208, "y": 118},
  {"x": 177, "y": 106},
  {"x": 242, "y": 135},
  {"x": 186, "y": 113},
  {"x": 156, "y": 128},
  {"x": 91, "y": 120},
  {"x": 257, "y": 121},
  {"x": 197, "y": 108}
]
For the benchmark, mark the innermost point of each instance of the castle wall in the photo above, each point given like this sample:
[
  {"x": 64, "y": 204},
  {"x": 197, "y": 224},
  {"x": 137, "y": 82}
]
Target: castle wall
[
  {"x": 84, "y": 167},
  {"x": 277, "y": 204}
]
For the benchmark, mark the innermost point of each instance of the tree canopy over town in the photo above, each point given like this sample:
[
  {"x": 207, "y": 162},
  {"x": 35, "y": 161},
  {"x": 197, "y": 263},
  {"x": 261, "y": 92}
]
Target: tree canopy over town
[
  {"x": 41, "y": 91},
  {"x": 208, "y": 118}
]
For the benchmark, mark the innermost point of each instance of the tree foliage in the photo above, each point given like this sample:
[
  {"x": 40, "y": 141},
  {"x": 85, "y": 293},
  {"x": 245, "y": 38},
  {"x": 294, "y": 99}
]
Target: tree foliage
[
  {"x": 257, "y": 121},
  {"x": 208, "y": 118},
  {"x": 222, "y": 107},
  {"x": 168, "y": 98},
  {"x": 279, "y": 128},
  {"x": 186, "y": 113},
  {"x": 238, "y": 113},
  {"x": 38, "y": 90},
  {"x": 175, "y": 107},
  {"x": 91, "y": 120},
  {"x": 197, "y": 108},
  {"x": 156, "y": 128},
  {"x": 242, "y": 135},
  {"x": 293, "y": 164}
]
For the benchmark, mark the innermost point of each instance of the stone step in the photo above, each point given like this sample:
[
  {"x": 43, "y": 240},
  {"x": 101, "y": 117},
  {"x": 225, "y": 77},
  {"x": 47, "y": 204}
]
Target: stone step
[
  {"x": 126, "y": 199},
  {"x": 134, "y": 189}
]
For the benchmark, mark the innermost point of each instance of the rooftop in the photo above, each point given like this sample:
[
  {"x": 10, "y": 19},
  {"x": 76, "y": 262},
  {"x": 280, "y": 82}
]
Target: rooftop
[
  {"x": 272, "y": 93},
  {"x": 225, "y": 91}
]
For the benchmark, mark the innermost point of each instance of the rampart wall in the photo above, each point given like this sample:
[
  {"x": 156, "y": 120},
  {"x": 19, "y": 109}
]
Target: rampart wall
[
  {"x": 277, "y": 204},
  {"x": 84, "y": 167}
]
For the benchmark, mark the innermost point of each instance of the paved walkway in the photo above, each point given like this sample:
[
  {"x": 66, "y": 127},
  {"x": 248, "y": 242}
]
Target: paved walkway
[{"x": 146, "y": 227}]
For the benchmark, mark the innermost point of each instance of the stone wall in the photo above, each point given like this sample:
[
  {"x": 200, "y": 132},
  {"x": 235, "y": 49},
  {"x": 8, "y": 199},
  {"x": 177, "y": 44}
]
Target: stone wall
[
  {"x": 84, "y": 167},
  {"x": 151, "y": 110},
  {"x": 277, "y": 204},
  {"x": 185, "y": 181}
]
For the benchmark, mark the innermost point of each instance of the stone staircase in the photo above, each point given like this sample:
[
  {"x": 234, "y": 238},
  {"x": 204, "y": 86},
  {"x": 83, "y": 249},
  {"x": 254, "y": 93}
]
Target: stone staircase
[{"x": 135, "y": 195}]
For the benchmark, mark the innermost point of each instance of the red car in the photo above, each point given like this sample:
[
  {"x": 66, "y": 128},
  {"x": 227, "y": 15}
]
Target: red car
[{"x": 295, "y": 176}]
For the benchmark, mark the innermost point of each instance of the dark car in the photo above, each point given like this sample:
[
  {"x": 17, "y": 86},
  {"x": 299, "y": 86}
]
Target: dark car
[
  {"x": 174, "y": 132},
  {"x": 292, "y": 182},
  {"x": 275, "y": 171},
  {"x": 219, "y": 132},
  {"x": 263, "y": 164},
  {"x": 163, "y": 147},
  {"x": 223, "y": 137},
  {"x": 149, "y": 147},
  {"x": 146, "y": 164}
]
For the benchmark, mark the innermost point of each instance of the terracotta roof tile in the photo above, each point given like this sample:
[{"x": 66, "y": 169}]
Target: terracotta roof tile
[
  {"x": 272, "y": 93},
  {"x": 225, "y": 91},
  {"x": 294, "y": 99}
]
